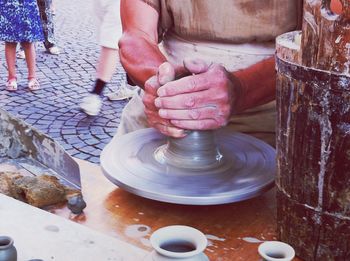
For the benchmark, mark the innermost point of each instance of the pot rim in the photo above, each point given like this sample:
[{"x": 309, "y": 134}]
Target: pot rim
[{"x": 7, "y": 240}]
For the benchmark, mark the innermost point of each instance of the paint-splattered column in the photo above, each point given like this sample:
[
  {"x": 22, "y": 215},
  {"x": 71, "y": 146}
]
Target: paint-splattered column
[{"x": 313, "y": 145}]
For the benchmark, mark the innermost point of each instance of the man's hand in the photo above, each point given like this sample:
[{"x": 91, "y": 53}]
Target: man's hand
[
  {"x": 166, "y": 73},
  {"x": 201, "y": 101}
]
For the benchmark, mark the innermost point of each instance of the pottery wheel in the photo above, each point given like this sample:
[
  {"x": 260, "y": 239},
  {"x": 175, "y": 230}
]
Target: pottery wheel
[{"x": 144, "y": 163}]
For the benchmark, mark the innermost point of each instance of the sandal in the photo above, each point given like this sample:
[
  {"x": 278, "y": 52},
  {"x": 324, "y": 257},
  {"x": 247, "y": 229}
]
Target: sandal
[
  {"x": 33, "y": 84},
  {"x": 11, "y": 85}
]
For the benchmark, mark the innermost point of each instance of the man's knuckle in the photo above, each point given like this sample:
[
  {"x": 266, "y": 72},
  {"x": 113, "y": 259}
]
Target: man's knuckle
[
  {"x": 194, "y": 114},
  {"x": 190, "y": 102}
]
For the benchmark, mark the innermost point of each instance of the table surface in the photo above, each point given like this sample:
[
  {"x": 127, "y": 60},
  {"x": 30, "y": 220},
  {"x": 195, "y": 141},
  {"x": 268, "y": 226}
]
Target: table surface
[
  {"x": 234, "y": 230},
  {"x": 40, "y": 235}
]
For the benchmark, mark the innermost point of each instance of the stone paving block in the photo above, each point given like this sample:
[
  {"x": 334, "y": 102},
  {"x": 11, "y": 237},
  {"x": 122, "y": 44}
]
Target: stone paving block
[
  {"x": 82, "y": 156},
  {"x": 34, "y": 114},
  {"x": 49, "y": 117},
  {"x": 88, "y": 149},
  {"x": 100, "y": 145},
  {"x": 67, "y": 146},
  {"x": 72, "y": 151},
  {"x": 91, "y": 141},
  {"x": 72, "y": 140},
  {"x": 30, "y": 121},
  {"x": 25, "y": 112},
  {"x": 54, "y": 135},
  {"x": 44, "y": 122},
  {"x": 94, "y": 160},
  {"x": 98, "y": 131},
  {"x": 68, "y": 131},
  {"x": 96, "y": 152}
]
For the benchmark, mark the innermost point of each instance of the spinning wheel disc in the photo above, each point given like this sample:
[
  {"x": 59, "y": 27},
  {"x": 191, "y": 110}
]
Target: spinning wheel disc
[{"x": 249, "y": 168}]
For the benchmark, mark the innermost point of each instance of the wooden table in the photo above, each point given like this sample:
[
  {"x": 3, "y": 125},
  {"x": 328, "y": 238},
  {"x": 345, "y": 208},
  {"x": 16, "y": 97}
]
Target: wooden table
[{"x": 231, "y": 228}]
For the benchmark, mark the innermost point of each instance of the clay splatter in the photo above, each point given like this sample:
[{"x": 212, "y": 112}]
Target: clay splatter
[
  {"x": 145, "y": 242},
  {"x": 137, "y": 231},
  {"x": 212, "y": 237},
  {"x": 52, "y": 228},
  {"x": 252, "y": 240}
]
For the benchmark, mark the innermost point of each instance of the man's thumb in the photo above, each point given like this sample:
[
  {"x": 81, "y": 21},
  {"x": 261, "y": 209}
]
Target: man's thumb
[
  {"x": 196, "y": 66},
  {"x": 166, "y": 73}
]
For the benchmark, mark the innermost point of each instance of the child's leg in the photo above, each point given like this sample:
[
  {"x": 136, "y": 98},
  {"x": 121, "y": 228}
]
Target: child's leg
[
  {"x": 10, "y": 54},
  {"x": 29, "y": 50}
]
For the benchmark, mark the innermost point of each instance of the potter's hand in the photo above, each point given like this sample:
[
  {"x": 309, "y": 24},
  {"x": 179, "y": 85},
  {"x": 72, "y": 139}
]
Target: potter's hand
[
  {"x": 166, "y": 73},
  {"x": 199, "y": 102}
]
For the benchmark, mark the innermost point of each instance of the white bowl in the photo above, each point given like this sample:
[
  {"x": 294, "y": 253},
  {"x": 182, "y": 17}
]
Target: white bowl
[
  {"x": 178, "y": 241},
  {"x": 276, "y": 251}
]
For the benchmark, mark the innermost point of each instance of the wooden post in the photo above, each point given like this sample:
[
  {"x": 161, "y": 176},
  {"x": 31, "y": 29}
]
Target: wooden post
[{"x": 313, "y": 141}]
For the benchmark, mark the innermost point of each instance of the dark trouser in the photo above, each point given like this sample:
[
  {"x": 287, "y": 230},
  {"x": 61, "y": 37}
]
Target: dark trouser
[{"x": 47, "y": 22}]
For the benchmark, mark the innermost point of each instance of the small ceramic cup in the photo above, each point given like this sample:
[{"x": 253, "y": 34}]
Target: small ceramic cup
[
  {"x": 276, "y": 251},
  {"x": 7, "y": 249},
  {"x": 180, "y": 243}
]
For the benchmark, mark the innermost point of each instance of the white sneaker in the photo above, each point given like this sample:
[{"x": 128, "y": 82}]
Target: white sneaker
[
  {"x": 54, "y": 50},
  {"x": 91, "y": 104},
  {"x": 125, "y": 91}
]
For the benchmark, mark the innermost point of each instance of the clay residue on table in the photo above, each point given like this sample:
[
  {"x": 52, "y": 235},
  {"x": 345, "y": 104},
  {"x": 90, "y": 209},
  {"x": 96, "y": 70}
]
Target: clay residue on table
[{"x": 39, "y": 191}]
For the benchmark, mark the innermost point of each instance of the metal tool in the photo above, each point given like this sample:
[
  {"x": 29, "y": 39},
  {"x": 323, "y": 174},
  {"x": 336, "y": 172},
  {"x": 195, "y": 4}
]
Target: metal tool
[
  {"x": 23, "y": 146},
  {"x": 204, "y": 168}
]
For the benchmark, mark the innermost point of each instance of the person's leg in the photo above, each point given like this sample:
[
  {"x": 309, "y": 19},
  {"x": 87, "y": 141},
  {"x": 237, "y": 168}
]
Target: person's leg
[
  {"x": 29, "y": 50},
  {"x": 106, "y": 67},
  {"x": 30, "y": 54},
  {"x": 10, "y": 54},
  {"x": 46, "y": 18},
  {"x": 53, "y": 7}
]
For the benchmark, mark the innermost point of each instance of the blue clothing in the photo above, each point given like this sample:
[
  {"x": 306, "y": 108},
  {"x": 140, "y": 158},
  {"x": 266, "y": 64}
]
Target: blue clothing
[{"x": 20, "y": 21}]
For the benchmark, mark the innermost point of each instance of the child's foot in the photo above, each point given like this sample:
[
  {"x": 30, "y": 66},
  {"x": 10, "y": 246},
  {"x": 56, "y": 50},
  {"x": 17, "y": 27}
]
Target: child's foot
[
  {"x": 11, "y": 85},
  {"x": 33, "y": 84}
]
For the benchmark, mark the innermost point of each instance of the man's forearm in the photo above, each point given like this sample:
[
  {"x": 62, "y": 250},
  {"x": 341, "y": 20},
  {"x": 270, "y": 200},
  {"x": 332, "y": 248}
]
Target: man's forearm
[
  {"x": 258, "y": 85},
  {"x": 139, "y": 57}
]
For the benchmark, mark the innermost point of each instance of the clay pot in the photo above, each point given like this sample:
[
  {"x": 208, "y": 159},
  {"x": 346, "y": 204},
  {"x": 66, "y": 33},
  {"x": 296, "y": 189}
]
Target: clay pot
[
  {"x": 7, "y": 249},
  {"x": 180, "y": 243},
  {"x": 276, "y": 251}
]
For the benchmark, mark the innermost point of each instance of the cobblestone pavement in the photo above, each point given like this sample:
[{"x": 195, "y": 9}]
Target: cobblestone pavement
[{"x": 65, "y": 80}]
